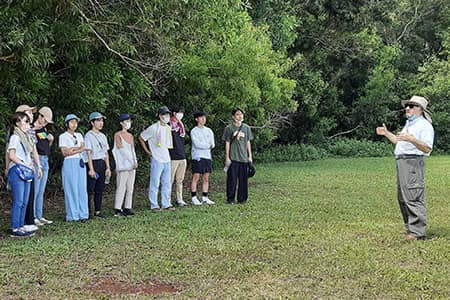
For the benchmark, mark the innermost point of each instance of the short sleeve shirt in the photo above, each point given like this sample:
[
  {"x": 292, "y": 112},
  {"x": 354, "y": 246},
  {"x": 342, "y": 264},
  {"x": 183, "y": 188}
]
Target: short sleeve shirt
[
  {"x": 97, "y": 143},
  {"x": 238, "y": 141},
  {"x": 159, "y": 139},
  {"x": 16, "y": 144},
  {"x": 43, "y": 144},
  {"x": 67, "y": 140},
  {"x": 422, "y": 130}
]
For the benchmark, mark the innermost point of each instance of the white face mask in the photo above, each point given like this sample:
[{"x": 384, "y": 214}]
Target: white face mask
[
  {"x": 127, "y": 125},
  {"x": 166, "y": 119},
  {"x": 179, "y": 116}
]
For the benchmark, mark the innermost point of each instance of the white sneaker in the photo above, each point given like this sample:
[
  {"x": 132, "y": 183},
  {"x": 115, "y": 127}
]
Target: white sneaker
[
  {"x": 45, "y": 221},
  {"x": 37, "y": 222},
  {"x": 206, "y": 200},
  {"x": 30, "y": 228},
  {"x": 181, "y": 203},
  {"x": 195, "y": 201}
]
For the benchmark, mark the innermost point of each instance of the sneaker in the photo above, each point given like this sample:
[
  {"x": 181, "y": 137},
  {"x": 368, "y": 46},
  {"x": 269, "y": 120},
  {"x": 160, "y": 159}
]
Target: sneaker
[
  {"x": 45, "y": 221},
  {"x": 128, "y": 212},
  {"x": 119, "y": 213},
  {"x": 181, "y": 203},
  {"x": 21, "y": 233},
  {"x": 99, "y": 215},
  {"x": 206, "y": 200},
  {"x": 30, "y": 228},
  {"x": 169, "y": 208},
  {"x": 37, "y": 222},
  {"x": 195, "y": 201},
  {"x": 156, "y": 209}
]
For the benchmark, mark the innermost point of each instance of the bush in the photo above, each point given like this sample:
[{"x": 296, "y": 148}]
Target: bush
[{"x": 342, "y": 147}]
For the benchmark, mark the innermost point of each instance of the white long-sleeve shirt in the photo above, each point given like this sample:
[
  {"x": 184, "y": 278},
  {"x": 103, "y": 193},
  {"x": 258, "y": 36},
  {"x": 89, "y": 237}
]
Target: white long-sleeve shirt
[{"x": 202, "y": 143}]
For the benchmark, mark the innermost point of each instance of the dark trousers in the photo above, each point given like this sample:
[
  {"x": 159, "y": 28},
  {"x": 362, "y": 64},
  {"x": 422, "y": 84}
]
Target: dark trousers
[
  {"x": 95, "y": 186},
  {"x": 237, "y": 174},
  {"x": 29, "y": 214}
]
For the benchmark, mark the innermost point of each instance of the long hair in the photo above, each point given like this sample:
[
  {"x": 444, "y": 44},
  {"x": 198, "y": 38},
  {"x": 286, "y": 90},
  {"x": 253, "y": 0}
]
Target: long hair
[{"x": 17, "y": 117}]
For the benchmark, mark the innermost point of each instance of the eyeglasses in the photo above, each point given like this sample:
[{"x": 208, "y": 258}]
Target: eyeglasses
[
  {"x": 411, "y": 105},
  {"x": 75, "y": 140}
]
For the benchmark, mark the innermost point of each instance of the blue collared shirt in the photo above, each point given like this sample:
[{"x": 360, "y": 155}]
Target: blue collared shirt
[{"x": 422, "y": 130}]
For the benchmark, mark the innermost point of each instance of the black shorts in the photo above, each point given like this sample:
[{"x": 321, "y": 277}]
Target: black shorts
[{"x": 202, "y": 166}]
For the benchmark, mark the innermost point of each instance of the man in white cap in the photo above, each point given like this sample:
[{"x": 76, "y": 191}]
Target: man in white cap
[{"x": 413, "y": 142}]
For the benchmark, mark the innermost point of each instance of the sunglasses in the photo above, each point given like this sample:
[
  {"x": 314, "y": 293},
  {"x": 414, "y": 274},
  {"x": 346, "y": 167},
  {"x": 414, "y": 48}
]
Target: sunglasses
[
  {"x": 411, "y": 105},
  {"x": 75, "y": 140}
]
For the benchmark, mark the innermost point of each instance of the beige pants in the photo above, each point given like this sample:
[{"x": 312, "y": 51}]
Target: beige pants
[
  {"x": 125, "y": 184},
  {"x": 178, "y": 171}
]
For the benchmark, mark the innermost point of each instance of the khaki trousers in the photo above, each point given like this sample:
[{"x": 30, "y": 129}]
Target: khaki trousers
[
  {"x": 125, "y": 187},
  {"x": 178, "y": 171},
  {"x": 411, "y": 194}
]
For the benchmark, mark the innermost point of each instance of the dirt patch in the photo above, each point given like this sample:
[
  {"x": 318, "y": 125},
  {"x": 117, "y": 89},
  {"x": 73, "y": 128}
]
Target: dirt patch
[{"x": 112, "y": 286}]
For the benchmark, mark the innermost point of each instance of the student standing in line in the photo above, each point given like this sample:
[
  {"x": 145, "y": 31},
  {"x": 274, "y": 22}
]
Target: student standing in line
[
  {"x": 97, "y": 161},
  {"x": 177, "y": 154},
  {"x": 126, "y": 165},
  {"x": 202, "y": 139},
  {"x": 21, "y": 152},
  {"x": 71, "y": 144},
  {"x": 44, "y": 142},
  {"x": 159, "y": 139},
  {"x": 238, "y": 154},
  {"x": 29, "y": 214}
]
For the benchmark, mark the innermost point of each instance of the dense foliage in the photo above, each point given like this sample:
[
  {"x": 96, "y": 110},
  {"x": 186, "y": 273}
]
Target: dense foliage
[{"x": 314, "y": 68}]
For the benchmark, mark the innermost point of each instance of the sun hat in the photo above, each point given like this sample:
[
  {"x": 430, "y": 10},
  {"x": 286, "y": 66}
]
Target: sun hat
[
  {"x": 47, "y": 113},
  {"x": 422, "y": 102}
]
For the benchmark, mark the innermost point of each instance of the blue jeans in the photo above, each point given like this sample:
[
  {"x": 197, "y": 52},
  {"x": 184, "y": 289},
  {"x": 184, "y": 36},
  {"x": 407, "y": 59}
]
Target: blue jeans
[
  {"x": 39, "y": 187},
  {"x": 159, "y": 173},
  {"x": 20, "y": 192}
]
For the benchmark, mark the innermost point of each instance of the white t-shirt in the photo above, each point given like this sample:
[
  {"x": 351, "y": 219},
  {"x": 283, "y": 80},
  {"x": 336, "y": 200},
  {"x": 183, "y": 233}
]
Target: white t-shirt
[
  {"x": 14, "y": 143},
  {"x": 68, "y": 140},
  {"x": 159, "y": 139},
  {"x": 97, "y": 143}
]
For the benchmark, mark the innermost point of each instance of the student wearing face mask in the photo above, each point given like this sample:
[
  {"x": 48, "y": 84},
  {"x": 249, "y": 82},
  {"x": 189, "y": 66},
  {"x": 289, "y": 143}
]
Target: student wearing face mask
[
  {"x": 177, "y": 154},
  {"x": 126, "y": 165},
  {"x": 159, "y": 139},
  {"x": 97, "y": 161}
]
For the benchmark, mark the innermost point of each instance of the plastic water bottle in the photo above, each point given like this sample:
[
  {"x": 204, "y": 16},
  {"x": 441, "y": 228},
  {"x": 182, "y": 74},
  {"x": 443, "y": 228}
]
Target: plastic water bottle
[{"x": 107, "y": 179}]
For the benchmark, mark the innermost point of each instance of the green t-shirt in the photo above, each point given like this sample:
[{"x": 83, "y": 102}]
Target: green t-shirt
[{"x": 238, "y": 147}]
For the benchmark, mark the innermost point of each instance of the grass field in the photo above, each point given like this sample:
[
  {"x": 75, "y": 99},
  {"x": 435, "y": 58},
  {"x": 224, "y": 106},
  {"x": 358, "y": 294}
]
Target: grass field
[{"x": 320, "y": 229}]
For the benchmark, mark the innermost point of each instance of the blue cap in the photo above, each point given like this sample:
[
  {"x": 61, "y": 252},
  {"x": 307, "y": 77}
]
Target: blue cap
[
  {"x": 123, "y": 117},
  {"x": 71, "y": 117},
  {"x": 96, "y": 115}
]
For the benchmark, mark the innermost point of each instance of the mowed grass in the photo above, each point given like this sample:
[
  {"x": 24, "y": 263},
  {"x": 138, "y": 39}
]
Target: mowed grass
[{"x": 322, "y": 229}]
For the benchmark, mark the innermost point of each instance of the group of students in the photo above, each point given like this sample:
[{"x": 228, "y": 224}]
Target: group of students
[{"x": 87, "y": 168}]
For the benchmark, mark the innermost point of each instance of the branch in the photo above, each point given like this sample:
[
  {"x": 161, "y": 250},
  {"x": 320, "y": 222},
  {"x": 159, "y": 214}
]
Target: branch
[
  {"x": 344, "y": 132},
  {"x": 127, "y": 60},
  {"x": 7, "y": 57},
  {"x": 414, "y": 19}
]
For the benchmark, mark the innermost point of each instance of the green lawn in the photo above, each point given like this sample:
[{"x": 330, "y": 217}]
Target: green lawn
[{"x": 320, "y": 229}]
